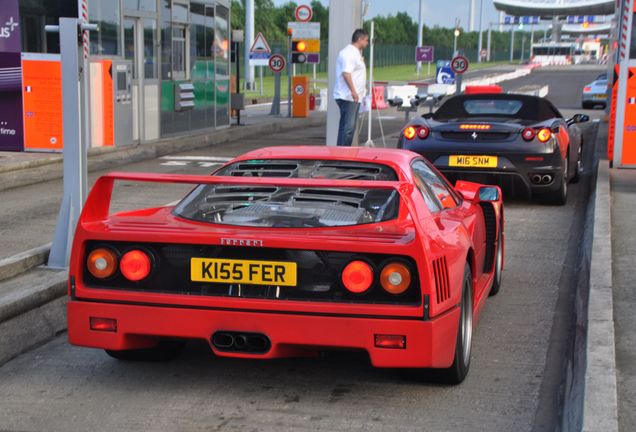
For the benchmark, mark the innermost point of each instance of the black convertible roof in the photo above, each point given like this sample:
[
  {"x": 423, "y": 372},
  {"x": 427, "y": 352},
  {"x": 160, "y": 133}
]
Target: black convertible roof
[{"x": 534, "y": 108}]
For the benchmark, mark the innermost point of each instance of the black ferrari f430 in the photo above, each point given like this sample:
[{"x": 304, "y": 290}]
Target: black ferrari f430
[{"x": 501, "y": 138}]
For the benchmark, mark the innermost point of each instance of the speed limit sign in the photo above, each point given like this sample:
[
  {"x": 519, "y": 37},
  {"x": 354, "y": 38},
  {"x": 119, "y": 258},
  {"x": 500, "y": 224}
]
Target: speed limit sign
[
  {"x": 277, "y": 63},
  {"x": 459, "y": 64}
]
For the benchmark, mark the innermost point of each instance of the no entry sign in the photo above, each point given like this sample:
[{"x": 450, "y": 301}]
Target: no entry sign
[{"x": 304, "y": 13}]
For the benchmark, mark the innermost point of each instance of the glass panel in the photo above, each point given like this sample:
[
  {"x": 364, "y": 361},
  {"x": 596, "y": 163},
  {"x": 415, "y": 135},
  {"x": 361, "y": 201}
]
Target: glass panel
[
  {"x": 129, "y": 44},
  {"x": 150, "y": 49},
  {"x": 222, "y": 65},
  {"x": 632, "y": 43},
  {"x": 106, "y": 13},
  {"x": 178, "y": 52},
  {"x": 179, "y": 12},
  {"x": 142, "y": 5}
]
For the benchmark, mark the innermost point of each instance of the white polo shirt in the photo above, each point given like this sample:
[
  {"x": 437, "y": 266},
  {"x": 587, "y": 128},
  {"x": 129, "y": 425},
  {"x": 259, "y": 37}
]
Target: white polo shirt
[{"x": 350, "y": 60}]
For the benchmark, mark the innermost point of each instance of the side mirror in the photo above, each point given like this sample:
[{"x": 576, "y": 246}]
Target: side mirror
[
  {"x": 477, "y": 192},
  {"x": 580, "y": 118},
  {"x": 395, "y": 102}
]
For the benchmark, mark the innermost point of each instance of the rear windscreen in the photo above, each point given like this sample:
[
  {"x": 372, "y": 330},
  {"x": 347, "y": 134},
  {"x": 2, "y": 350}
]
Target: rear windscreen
[
  {"x": 294, "y": 207},
  {"x": 519, "y": 107}
]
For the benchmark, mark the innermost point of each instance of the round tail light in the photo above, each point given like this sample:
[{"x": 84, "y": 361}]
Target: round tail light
[
  {"x": 135, "y": 265},
  {"x": 409, "y": 133},
  {"x": 544, "y": 134},
  {"x": 357, "y": 276},
  {"x": 395, "y": 278},
  {"x": 102, "y": 263},
  {"x": 528, "y": 134},
  {"x": 423, "y": 132}
]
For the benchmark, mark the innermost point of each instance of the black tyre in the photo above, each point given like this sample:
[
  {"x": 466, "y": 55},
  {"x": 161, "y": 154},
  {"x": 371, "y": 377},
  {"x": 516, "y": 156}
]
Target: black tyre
[
  {"x": 496, "y": 282},
  {"x": 585, "y": 105},
  {"x": 163, "y": 352},
  {"x": 579, "y": 164},
  {"x": 560, "y": 195},
  {"x": 459, "y": 369}
]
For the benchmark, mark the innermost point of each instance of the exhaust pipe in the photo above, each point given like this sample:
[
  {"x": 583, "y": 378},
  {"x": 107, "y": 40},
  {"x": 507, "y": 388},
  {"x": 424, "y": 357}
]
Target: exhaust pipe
[
  {"x": 536, "y": 179},
  {"x": 257, "y": 343},
  {"x": 223, "y": 341},
  {"x": 546, "y": 179},
  {"x": 240, "y": 342}
]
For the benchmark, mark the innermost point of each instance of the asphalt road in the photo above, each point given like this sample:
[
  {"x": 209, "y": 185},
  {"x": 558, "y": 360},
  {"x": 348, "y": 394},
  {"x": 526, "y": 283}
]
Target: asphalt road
[{"x": 520, "y": 345}]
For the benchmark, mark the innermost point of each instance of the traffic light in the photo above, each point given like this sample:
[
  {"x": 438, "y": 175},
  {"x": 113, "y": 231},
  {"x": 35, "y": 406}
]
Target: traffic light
[{"x": 299, "y": 49}]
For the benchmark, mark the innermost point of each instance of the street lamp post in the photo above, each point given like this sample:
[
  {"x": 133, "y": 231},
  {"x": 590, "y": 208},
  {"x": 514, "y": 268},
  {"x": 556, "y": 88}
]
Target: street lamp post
[
  {"x": 456, "y": 34},
  {"x": 419, "y": 36},
  {"x": 512, "y": 43}
]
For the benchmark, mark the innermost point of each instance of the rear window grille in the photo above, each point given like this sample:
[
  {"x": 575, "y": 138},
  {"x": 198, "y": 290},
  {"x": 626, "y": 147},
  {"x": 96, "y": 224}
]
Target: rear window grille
[
  {"x": 440, "y": 269},
  {"x": 310, "y": 168}
]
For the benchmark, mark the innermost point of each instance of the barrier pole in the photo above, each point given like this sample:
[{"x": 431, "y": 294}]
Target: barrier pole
[{"x": 369, "y": 142}]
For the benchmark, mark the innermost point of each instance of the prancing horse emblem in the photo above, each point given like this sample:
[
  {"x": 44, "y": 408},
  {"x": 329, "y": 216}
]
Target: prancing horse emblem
[{"x": 474, "y": 135}]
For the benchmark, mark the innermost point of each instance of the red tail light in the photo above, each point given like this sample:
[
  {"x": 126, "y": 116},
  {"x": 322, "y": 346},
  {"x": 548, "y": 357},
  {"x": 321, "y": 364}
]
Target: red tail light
[
  {"x": 544, "y": 134},
  {"x": 357, "y": 276},
  {"x": 103, "y": 324},
  {"x": 135, "y": 265},
  {"x": 528, "y": 134},
  {"x": 475, "y": 126},
  {"x": 390, "y": 341},
  {"x": 423, "y": 132},
  {"x": 587, "y": 89}
]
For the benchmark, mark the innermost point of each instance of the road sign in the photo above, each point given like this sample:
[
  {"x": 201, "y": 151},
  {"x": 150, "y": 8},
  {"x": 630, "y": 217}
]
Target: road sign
[
  {"x": 260, "y": 51},
  {"x": 459, "y": 64},
  {"x": 304, "y": 13},
  {"x": 277, "y": 63},
  {"x": 299, "y": 90},
  {"x": 444, "y": 74},
  {"x": 304, "y": 30},
  {"x": 424, "y": 53}
]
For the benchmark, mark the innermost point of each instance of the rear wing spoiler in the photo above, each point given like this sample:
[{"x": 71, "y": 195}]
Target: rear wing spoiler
[{"x": 97, "y": 205}]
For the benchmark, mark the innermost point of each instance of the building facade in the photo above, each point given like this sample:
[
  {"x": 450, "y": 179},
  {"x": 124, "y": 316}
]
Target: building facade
[{"x": 157, "y": 68}]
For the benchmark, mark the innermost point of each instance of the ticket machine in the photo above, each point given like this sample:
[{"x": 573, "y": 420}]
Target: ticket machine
[{"x": 111, "y": 102}]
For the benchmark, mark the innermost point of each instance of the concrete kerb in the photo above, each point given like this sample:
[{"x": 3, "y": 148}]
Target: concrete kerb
[
  {"x": 600, "y": 406},
  {"x": 17, "y": 264},
  {"x": 35, "y": 171}
]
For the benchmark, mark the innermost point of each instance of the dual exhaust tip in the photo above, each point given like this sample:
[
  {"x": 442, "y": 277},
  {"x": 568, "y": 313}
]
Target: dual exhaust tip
[
  {"x": 254, "y": 343},
  {"x": 539, "y": 179}
]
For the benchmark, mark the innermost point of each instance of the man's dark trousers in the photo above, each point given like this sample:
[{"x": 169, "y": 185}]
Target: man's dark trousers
[{"x": 348, "y": 117}]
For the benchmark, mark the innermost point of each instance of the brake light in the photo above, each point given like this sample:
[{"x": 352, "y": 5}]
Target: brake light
[
  {"x": 135, "y": 265},
  {"x": 395, "y": 278},
  {"x": 528, "y": 134},
  {"x": 409, "y": 133},
  {"x": 390, "y": 341},
  {"x": 475, "y": 126},
  {"x": 357, "y": 276},
  {"x": 544, "y": 134},
  {"x": 587, "y": 89},
  {"x": 102, "y": 263},
  {"x": 423, "y": 132}
]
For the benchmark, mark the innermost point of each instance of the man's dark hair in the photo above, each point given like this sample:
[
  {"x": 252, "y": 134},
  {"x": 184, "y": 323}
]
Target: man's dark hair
[{"x": 359, "y": 34}]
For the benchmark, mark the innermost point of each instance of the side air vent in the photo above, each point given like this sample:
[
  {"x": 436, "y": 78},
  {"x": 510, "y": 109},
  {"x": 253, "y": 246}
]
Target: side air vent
[
  {"x": 440, "y": 269},
  {"x": 491, "y": 234}
]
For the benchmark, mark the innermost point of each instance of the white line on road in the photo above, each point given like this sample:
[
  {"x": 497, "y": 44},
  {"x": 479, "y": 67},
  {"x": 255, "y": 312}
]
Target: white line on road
[{"x": 197, "y": 158}]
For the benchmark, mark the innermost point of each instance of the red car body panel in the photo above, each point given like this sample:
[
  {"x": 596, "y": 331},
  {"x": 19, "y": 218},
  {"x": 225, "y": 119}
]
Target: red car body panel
[{"x": 294, "y": 327}]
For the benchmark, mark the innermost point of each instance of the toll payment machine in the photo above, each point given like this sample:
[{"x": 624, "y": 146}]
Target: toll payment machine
[{"x": 111, "y": 102}]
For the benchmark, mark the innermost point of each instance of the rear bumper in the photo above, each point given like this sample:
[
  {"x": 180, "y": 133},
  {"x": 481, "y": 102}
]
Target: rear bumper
[
  {"x": 597, "y": 98},
  {"x": 429, "y": 343}
]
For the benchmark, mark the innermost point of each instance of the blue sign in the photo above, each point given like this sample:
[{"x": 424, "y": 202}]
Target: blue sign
[
  {"x": 444, "y": 74},
  {"x": 521, "y": 20}
]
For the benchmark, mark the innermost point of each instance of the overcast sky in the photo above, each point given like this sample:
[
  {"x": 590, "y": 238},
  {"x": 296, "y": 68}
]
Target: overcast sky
[{"x": 436, "y": 12}]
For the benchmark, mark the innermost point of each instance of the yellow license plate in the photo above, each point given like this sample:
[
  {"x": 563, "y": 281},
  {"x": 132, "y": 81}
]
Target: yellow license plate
[
  {"x": 243, "y": 271},
  {"x": 600, "y": 96},
  {"x": 472, "y": 161}
]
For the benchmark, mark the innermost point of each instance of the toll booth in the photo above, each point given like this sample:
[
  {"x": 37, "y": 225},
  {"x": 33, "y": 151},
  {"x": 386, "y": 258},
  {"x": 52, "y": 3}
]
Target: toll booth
[
  {"x": 300, "y": 96},
  {"x": 622, "y": 145}
]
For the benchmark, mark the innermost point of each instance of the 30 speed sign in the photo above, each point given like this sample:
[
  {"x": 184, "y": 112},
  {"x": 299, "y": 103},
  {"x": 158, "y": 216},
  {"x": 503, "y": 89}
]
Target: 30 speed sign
[
  {"x": 277, "y": 63},
  {"x": 459, "y": 64}
]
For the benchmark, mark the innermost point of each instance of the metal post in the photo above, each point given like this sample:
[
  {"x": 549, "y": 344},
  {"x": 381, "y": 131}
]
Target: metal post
[
  {"x": 523, "y": 47},
  {"x": 481, "y": 18},
  {"x": 261, "y": 77},
  {"x": 275, "y": 110},
  {"x": 74, "y": 157},
  {"x": 289, "y": 74},
  {"x": 458, "y": 83},
  {"x": 249, "y": 40},
  {"x": 420, "y": 35},
  {"x": 238, "y": 79},
  {"x": 369, "y": 142},
  {"x": 488, "y": 43},
  {"x": 471, "y": 15},
  {"x": 512, "y": 43}
]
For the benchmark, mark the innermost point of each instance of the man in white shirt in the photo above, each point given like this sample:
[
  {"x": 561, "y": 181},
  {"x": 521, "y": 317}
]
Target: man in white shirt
[{"x": 350, "y": 88}]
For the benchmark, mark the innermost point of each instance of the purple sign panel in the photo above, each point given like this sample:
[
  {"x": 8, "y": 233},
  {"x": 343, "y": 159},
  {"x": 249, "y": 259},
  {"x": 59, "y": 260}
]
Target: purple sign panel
[
  {"x": 11, "y": 133},
  {"x": 424, "y": 54}
]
